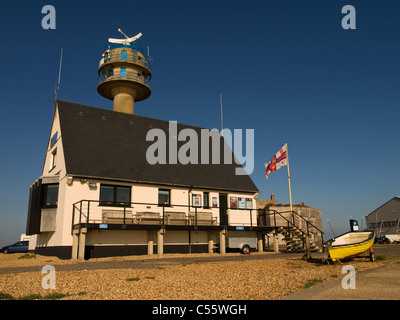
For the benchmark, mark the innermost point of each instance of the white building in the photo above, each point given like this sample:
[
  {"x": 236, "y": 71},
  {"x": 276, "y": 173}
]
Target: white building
[
  {"x": 97, "y": 191},
  {"x": 99, "y": 196}
]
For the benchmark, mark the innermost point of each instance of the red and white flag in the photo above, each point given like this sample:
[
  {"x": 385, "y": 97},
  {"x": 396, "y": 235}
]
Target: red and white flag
[{"x": 279, "y": 160}]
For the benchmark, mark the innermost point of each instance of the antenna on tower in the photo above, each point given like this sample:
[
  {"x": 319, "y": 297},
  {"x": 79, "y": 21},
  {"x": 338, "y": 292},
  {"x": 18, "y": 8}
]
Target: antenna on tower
[
  {"x": 57, "y": 87},
  {"x": 119, "y": 30},
  {"x": 222, "y": 115}
]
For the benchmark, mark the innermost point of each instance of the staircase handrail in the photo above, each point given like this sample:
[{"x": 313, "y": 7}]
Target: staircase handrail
[
  {"x": 274, "y": 212},
  {"x": 307, "y": 222}
]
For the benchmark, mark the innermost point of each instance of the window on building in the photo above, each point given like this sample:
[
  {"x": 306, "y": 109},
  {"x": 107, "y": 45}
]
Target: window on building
[
  {"x": 115, "y": 195},
  {"x": 124, "y": 55},
  {"x": 206, "y": 200},
  {"x": 164, "y": 197},
  {"x": 122, "y": 73},
  {"x": 53, "y": 159},
  {"x": 50, "y": 195},
  {"x": 53, "y": 139}
]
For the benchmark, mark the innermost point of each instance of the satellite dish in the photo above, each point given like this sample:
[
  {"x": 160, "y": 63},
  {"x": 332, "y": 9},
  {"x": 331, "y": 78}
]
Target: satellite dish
[{"x": 127, "y": 40}]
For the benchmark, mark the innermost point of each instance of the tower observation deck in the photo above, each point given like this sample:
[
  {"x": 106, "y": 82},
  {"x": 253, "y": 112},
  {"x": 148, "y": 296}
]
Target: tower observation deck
[{"x": 124, "y": 73}]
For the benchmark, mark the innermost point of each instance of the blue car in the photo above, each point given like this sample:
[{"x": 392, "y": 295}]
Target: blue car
[{"x": 20, "y": 246}]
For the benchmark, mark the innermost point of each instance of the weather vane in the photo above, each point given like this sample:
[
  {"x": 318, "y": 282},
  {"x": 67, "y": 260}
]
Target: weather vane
[{"x": 127, "y": 40}]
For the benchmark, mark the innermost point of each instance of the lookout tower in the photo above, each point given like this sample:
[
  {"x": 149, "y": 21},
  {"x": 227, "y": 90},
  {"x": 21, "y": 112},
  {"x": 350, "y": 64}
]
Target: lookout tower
[{"x": 124, "y": 73}]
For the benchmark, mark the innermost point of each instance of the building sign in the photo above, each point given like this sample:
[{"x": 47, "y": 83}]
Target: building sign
[
  {"x": 242, "y": 203},
  {"x": 249, "y": 203},
  {"x": 234, "y": 203},
  {"x": 196, "y": 199},
  {"x": 215, "y": 202}
]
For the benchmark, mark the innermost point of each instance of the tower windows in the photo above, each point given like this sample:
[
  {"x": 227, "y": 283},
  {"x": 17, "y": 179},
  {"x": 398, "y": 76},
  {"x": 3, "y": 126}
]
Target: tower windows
[
  {"x": 124, "y": 55},
  {"x": 122, "y": 73}
]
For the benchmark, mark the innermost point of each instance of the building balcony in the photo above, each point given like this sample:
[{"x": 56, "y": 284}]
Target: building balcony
[
  {"x": 110, "y": 215},
  {"x": 123, "y": 58},
  {"x": 124, "y": 76}
]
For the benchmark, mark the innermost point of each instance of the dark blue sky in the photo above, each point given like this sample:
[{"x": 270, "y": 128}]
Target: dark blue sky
[{"x": 286, "y": 69}]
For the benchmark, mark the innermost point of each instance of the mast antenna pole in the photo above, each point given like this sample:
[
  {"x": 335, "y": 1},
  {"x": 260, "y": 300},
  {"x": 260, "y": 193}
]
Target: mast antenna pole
[
  {"x": 222, "y": 115},
  {"x": 57, "y": 87},
  {"x": 329, "y": 221}
]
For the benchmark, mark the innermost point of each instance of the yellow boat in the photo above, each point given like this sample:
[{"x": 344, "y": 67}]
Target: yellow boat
[{"x": 351, "y": 244}]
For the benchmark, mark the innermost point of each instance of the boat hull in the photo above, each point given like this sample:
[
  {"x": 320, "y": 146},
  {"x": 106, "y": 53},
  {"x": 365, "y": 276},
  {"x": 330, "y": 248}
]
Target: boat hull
[{"x": 345, "y": 251}]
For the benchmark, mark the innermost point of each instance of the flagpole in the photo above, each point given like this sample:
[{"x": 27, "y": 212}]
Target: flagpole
[{"x": 288, "y": 174}]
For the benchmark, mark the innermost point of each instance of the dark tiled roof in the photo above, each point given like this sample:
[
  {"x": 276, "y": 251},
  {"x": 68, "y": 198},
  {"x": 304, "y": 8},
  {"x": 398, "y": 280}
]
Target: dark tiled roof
[{"x": 105, "y": 144}]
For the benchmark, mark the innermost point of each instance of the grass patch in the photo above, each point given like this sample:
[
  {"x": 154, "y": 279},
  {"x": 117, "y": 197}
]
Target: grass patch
[
  {"x": 55, "y": 296},
  {"x": 34, "y": 296},
  {"x": 133, "y": 279},
  {"x": 27, "y": 256},
  {"x": 50, "y": 296},
  {"x": 380, "y": 258},
  {"x": 6, "y": 296},
  {"x": 151, "y": 278},
  {"x": 312, "y": 282}
]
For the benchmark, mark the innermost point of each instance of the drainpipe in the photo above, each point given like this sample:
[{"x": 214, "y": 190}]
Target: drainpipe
[
  {"x": 189, "y": 191},
  {"x": 190, "y": 236}
]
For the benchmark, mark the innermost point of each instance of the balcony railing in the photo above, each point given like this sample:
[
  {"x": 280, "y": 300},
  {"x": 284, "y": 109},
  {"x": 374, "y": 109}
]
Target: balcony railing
[
  {"x": 128, "y": 75},
  {"x": 139, "y": 213},
  {"x": 136, "y": 213},
  {"x": 133, "y": 58},
  {"x": 133, "y": 45}
]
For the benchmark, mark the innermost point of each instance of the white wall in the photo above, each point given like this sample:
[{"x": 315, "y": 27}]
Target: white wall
[
  {"x": 59, "y": 168},
  {"x": 73, "y": 190}
]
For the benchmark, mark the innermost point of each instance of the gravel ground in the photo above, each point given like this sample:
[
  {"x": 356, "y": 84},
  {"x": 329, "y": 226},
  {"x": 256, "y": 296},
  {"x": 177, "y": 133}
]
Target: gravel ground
[{"x": 264, "y": 279}]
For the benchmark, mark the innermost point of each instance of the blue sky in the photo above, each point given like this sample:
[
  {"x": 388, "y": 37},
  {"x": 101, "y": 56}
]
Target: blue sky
[{"x": 286, "y": 69}]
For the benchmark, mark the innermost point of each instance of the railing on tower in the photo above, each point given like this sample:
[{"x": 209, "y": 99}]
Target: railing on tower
[
  {"x": 134, "y": 58},
  {"x": 128, "y": 75}
]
